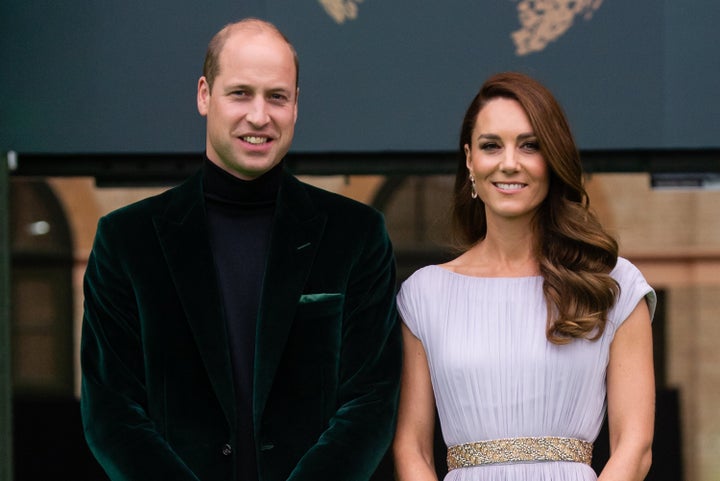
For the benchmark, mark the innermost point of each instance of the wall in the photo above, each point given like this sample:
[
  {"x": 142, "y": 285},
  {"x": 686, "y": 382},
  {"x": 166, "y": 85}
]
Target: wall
[{"x": 674, "y": 238}]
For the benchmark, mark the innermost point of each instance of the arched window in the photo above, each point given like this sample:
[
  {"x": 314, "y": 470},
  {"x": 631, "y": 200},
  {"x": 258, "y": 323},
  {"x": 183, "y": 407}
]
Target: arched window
[{"x": 41, "y": 291}]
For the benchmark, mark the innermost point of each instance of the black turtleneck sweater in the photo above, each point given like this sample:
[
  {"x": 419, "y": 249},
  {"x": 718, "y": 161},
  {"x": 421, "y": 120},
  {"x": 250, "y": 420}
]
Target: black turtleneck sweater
[{"x": 240, "y": 215}]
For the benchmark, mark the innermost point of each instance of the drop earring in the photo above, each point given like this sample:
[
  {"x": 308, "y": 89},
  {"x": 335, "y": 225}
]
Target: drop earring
[{"x": 473, "y": 191}]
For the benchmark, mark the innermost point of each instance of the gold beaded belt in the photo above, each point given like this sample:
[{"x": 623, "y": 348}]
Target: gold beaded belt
[{"x": 513, "y": 450}]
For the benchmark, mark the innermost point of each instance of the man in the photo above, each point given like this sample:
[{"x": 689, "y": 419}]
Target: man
[{"x": 241, "y": 326}]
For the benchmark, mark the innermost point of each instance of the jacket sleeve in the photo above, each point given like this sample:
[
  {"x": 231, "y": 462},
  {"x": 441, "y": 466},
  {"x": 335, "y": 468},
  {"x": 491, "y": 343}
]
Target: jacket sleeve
[
  {"x": 362, "y": 427},
  {"x": 114, "y": 399}
]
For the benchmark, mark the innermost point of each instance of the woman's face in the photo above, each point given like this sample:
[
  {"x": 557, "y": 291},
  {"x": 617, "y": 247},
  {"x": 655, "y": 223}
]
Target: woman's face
[{"x": 504, "y": 157}]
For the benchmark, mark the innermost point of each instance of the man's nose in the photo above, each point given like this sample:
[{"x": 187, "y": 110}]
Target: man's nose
[{"x": 258, "y": 114}]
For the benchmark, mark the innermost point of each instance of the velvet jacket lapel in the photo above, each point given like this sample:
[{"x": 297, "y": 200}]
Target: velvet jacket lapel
[
  {"x": 183, "y": 234},
  {"x": 296, "y": 234}
]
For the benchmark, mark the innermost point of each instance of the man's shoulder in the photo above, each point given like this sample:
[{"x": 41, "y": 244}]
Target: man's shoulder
[
  {"x": 337, "y": 204},
  {"x": 183, "y": 192}
]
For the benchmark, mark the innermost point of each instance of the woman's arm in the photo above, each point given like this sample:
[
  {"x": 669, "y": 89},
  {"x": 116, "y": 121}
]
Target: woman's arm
[
  {"x": 631, "y": 399},
  {"x": 413, "y": 444}
]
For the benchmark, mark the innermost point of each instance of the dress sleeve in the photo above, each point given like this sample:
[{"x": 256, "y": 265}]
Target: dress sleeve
[
  {"x": 633, "y": 289},
  {"x": 407, "y": 303}
]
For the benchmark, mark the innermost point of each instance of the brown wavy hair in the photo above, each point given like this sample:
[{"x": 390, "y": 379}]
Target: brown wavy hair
[{"x": 575, "y": 253}]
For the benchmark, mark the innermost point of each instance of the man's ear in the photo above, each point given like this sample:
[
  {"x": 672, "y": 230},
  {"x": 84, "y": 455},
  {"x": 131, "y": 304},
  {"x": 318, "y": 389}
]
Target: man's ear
[
  {"x": 297, "y": 96},
  {"x": 203, "y": 96}
]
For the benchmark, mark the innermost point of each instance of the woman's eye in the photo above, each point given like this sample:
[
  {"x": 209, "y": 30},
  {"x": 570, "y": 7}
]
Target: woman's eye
[
  {"x": 489, "y": 146},
  {"x": 531, "y": 146}
]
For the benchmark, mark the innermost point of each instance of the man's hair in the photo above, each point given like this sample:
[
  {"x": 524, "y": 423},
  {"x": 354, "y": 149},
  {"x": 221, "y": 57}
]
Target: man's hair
[{"x": 211, "y": 66}]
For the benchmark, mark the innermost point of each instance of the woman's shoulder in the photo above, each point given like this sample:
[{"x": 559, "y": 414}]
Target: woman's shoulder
[
  {"x": 633, "y": 288},
  {"x": 422, "y": 276},
  {"x": 624, "y": 270}
]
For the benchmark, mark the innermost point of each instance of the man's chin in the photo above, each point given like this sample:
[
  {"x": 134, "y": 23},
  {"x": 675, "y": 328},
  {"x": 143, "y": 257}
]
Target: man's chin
[{"x": 251, "y": 169}]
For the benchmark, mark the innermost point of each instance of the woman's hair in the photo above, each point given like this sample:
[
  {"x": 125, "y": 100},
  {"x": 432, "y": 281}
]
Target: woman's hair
[{"x": 575, "y": 253}]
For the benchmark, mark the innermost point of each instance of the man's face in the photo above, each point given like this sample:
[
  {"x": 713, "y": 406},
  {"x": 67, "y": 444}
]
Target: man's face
[{"x": 252, "y": 108}]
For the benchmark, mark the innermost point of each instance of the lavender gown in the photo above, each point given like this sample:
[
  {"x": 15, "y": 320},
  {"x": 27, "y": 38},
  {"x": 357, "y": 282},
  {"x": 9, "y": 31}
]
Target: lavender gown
[{"x": 495, "y": 375}]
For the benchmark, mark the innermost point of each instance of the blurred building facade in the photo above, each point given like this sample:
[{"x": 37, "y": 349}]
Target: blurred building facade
[{"x": 673, "y": 236}]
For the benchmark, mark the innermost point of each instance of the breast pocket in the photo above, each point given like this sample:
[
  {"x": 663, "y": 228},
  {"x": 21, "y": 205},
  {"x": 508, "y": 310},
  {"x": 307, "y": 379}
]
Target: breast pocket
[
  {"x": 320, "y": 305},
  {"x": 316, "y": 334}
]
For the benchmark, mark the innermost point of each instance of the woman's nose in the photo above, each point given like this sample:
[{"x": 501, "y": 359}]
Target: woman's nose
[{"x": 509, "y": 162}]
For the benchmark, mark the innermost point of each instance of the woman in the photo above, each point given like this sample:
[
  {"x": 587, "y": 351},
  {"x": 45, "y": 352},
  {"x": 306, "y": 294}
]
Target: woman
[{"x": 522, "y": 339}]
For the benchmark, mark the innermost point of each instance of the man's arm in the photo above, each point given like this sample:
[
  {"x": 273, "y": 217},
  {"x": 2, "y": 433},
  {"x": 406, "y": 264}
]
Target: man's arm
[
  {"x": 362, "y": 428},
  {"x": 113, "y": 401}
]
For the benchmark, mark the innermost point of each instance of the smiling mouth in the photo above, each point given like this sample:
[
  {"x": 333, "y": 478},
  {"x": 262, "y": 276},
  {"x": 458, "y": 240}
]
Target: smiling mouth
[
  {"x": 509, "y": 186},
  {"x": 255, "y": 140}
]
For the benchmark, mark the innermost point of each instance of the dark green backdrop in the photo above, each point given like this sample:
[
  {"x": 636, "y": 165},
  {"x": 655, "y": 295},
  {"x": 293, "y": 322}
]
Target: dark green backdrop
[{"x": 120, "y": 76}]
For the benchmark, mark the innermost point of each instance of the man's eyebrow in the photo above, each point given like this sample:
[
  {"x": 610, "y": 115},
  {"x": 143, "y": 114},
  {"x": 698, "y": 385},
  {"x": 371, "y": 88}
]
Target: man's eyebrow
[
  {"x": 282, "y": 90},
  {"x": 237, "y": 86},
  {"x": 289, "y": 92}
]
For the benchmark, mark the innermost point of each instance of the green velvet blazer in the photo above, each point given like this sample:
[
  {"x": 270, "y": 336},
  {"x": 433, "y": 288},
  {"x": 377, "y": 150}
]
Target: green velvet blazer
[{"x": 157, "y": 390}]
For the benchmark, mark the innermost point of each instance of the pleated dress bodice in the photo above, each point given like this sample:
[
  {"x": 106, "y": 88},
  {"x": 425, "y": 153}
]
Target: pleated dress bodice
[{"x": 494, "y": 373}]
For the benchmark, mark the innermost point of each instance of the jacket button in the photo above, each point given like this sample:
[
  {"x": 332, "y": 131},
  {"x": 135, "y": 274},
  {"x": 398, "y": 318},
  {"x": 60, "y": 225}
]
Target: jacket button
[{"x": 227, "y": 450}]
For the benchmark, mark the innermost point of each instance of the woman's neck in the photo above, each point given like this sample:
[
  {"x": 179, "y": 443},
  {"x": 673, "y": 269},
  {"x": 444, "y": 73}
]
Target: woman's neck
[{"x": 506, "y": 251}]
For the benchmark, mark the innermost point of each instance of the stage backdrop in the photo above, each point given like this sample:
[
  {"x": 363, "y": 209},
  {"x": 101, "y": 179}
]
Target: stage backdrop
[{"x": 84, "y": 76}]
